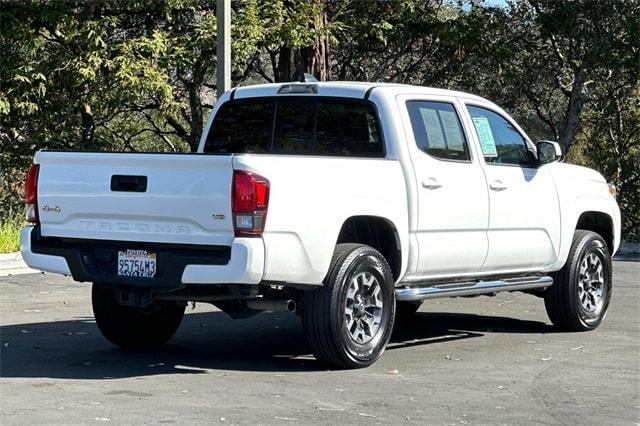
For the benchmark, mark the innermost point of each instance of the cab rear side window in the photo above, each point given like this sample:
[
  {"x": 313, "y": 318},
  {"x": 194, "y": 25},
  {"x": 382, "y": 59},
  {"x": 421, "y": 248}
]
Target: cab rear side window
[
  {"x": 300, "y": 126},
  {"x": 437, "y": 130}
]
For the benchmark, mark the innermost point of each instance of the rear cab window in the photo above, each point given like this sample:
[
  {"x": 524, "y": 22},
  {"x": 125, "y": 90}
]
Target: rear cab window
[{"x": 297, "y": 126}]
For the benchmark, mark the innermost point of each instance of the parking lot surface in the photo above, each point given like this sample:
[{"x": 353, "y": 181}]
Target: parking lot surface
[{"x": 485, "y": 360}]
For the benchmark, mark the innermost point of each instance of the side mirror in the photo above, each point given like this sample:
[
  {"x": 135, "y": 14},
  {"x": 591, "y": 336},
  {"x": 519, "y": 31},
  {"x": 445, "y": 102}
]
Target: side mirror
[{"x": 548, "y": 152}]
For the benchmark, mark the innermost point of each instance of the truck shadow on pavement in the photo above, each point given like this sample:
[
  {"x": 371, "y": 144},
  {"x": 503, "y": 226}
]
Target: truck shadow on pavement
[{"x": 211, "y": 341}]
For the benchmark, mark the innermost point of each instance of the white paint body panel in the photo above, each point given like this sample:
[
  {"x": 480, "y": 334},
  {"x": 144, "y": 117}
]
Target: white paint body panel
[
  {"x": 244, "y": 267},
  {"x": 526, "y": 211},
  {"x": 463, "y": 229},
  {"x": 453, "y": 206},
  {"x": 183, "y": 192},
  {"x": 43, "y": 262},
  {"x": 311, "y": 197}
]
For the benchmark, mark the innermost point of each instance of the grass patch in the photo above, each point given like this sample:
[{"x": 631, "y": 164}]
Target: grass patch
[{"x": 10, "y": 234}]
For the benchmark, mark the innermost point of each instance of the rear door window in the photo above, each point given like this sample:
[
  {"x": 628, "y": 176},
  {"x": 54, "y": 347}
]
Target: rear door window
[
  {"x": 437, "y": 130},
  {"x": 311, "y": 126}
]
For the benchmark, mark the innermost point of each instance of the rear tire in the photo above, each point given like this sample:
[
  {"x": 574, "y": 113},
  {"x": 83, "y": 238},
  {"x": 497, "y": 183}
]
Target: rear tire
[
  {"x": 349, "y": 320},
  {"x": 131, "y": 327},
  {"x": 581, "y": 292}
]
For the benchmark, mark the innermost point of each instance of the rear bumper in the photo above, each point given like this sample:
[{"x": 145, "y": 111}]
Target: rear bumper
[
  {"x": 95, "y": 261},
  {"x": 42, "y": 262}
]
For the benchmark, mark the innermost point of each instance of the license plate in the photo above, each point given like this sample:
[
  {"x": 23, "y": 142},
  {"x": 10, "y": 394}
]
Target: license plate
[{"x": 136, "y": 263}]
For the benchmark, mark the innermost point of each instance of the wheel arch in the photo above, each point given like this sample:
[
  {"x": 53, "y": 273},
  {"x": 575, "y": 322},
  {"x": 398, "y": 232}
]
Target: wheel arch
[
  {"x": 592, "y": 213},
  {"x": 599, "y": 222},
  {"x": 377, "y": 232}
]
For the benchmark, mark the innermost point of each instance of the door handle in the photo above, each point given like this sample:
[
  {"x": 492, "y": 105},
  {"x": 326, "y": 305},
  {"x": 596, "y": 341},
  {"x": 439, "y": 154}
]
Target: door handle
[
  {"x": 431, "y": 183},
  {"x": 127, "y": 183},
  {"x": 498, "y": 185}
]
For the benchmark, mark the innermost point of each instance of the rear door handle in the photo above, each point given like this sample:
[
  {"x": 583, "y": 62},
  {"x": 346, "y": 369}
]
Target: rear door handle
[
  {"x": 431, "y": 183},
  {"x": 498, "y": 185}
]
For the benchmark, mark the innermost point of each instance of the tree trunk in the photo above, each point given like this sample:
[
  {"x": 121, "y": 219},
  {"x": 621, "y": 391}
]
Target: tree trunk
[
  {"x": 318, "y": 57},
  {"x": 293, "y": 63},
  {"x": 574, "y": 110},
  {"x": 195, "y": 106},
  {"x": 286, "y": 64},
  {"x": 87, "y": 129}
]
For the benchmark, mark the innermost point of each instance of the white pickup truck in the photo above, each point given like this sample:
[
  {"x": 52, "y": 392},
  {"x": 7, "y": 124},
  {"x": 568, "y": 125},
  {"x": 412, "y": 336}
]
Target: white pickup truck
[{"x": 349, "y": 203}]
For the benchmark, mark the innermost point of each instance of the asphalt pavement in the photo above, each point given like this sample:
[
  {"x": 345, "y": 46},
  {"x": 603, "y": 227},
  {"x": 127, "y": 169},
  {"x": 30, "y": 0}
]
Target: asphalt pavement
[{"x": 485, "y": 360}]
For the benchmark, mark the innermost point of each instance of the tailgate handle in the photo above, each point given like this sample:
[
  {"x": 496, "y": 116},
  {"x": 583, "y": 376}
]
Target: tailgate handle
[{"x": 126, "y": 183}]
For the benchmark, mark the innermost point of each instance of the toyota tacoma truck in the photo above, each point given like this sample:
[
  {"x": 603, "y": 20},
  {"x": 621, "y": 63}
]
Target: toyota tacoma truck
[{"x": 348, "y": 203}]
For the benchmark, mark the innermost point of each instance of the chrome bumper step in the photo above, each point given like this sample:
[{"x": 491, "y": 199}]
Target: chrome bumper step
[{"x": 471, "y": 288}]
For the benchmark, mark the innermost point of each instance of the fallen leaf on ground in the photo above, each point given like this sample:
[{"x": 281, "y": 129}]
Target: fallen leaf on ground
[
  {"x": 394, "y": 371},
  {"x": 367, "y": 415}
]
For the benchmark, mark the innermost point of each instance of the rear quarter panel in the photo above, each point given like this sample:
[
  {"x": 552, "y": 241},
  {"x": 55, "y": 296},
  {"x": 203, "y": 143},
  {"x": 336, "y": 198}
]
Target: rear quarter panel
[{"x": 310, "y": 199}]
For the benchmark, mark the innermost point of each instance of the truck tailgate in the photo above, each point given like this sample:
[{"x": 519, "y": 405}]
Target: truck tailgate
[{"x": 161, "y": 198}]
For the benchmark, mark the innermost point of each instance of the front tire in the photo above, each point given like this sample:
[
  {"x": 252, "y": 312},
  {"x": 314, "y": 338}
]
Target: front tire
[
  {"x": 581, "y": 292},
  {"x": 132, "y": 327},
  {"x": 349, "y": 321}
]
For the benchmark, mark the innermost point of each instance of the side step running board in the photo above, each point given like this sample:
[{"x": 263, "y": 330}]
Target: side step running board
[{"x": 471, "y": 288}]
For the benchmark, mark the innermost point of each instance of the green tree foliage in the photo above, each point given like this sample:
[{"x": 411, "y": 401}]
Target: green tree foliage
[
  {"x": 140, "y": 75},
  {"x": 609, "y": 141}
]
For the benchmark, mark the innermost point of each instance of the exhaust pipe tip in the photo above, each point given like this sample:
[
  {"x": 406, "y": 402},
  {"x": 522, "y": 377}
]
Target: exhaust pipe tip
[{"x": 272, "y": 305}]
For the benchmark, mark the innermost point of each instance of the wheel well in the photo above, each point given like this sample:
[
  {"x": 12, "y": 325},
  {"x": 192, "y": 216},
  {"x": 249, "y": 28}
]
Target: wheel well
[
  {"x": 378, "y": 233},
  {"x": 599, "y": 223}
]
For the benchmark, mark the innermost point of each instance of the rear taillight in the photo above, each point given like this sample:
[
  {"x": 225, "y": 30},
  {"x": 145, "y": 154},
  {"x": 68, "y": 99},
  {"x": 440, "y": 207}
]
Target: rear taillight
[
  {"x": 249, "y": 203},
  {"x": 31, "y": 194}
]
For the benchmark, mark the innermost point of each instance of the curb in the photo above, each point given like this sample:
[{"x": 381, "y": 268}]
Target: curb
[
  {"x": 12, "y": 264},
  {"x": 629, "y": 249},
  {"x": 628, "y": 252}
]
